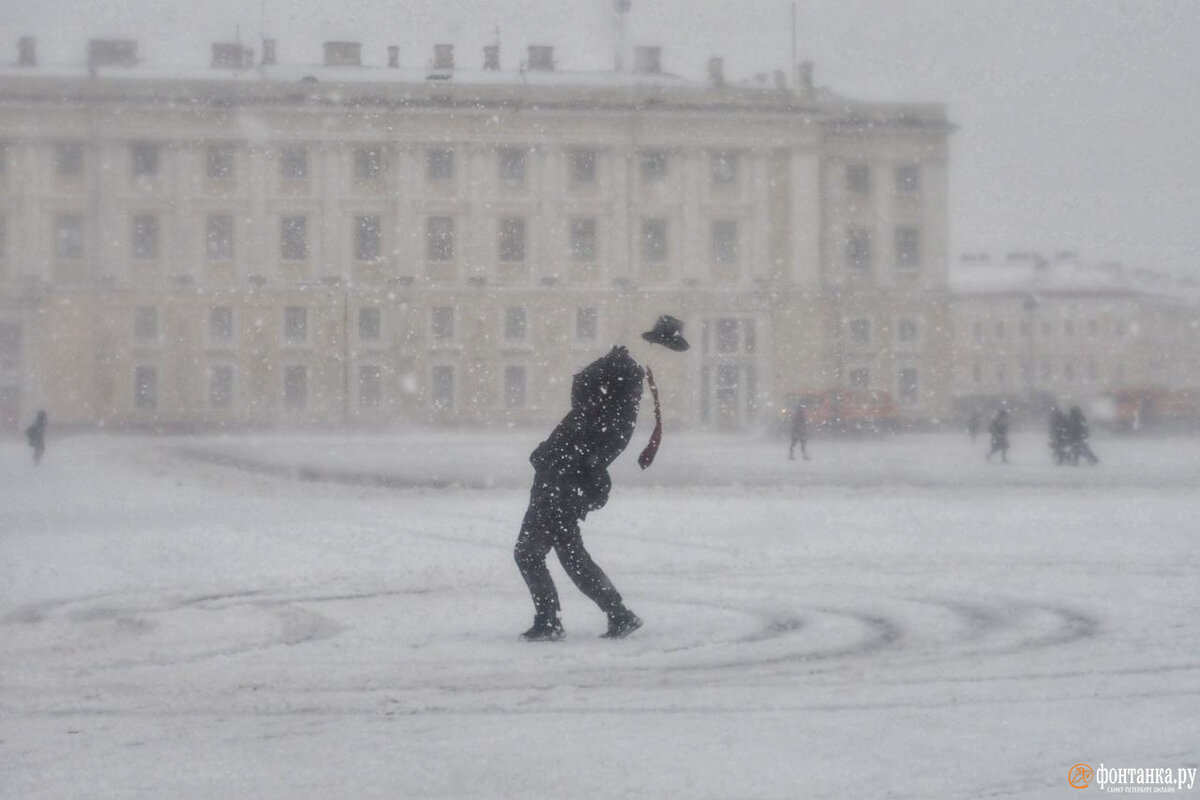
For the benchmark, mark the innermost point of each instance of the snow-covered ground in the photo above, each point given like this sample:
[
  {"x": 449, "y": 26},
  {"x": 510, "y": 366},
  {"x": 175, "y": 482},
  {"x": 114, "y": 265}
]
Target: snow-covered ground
[{"x": 337, "y": 617}]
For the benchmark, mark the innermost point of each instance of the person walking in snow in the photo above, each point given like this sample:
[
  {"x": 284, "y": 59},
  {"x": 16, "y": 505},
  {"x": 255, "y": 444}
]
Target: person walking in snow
[
  {"x": 571, "y": 479},
  {"x": 1060, "y": 443},
  {"x": 999, "y": 433},
  {"x": 1077, "y": 436},
  {"x": 36, "y": 434},
  {"x": 799, "y": 432}
]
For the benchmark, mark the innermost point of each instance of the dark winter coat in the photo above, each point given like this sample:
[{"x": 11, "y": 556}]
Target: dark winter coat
[
  {"x": 604, "y": 407},
  {"x": 36, "y": 433}
]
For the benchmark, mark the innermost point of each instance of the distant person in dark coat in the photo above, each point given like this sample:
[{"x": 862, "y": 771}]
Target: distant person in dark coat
[
  {"x": 36, "y": 434},
  {"x": 571, "y": 478},
  {"x": 1060, "y": 444},
  {"x": 799, "y": 432},
  {"x": 974, "y": 425},
  {"x": 1077, "y": 436},
  {"x": 999, "y": 432}
]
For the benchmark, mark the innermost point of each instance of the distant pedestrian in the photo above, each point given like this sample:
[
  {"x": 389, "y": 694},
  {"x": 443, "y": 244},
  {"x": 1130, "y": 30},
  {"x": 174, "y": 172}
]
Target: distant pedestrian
[
  {"x": 1077, "y": 436},
  {"x": 36, "y": 434},
  {"x": 1060, "y": 440},
  {"x": 799, "y": 432},
  {"x": 999, "y": 432},
  {"x": 974, "y": 424}
]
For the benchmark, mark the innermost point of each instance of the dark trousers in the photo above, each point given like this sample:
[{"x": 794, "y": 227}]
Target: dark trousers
[{"x": 552, "y": 523}]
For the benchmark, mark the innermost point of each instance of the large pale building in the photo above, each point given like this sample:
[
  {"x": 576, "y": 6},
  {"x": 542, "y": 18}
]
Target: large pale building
[{"x": 255, "y": 243}]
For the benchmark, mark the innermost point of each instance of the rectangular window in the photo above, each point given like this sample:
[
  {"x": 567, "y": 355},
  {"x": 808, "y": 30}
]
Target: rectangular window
[
  {"x": 10, "y": 346},
  {"x": 145, "y": 237},
  {"x": 439, "y": 164},
  {"x": 727, "y": 335},
  {"x": 654, "y": 240},
  {"x": 908, "y": 248},
  {"x": 3, "y": 236},
  {"x": 442, "y": 323},
  {"x": 583, "y": 239},
  {"x": 908, "y": 179},
  {"x": 512, "y": 239},
  {"x": 439, "y": 239},
  {"x": 441, "y": 390},
  {"x": 218, "y": 240},
  {"x": 514, "y": 386},
  {"x": 68, "y": 159},
  {"x": 293, "y": 238},
  {"x": 68, "y": 236},
  {"x": 145, "y": 324},
  {"x": 907, "y": 388},
  {"x": 293, "y": 163},
  {"x": 512, "y": 164},
  {"x": 858, "y": 179},
  {"x": 583, "y": 166},
  {"x": 653, "y": 165},
  {"x": 724, "y": 166},
  {"x": 860, "y": 378},
  {"x": 368, "y": 239},
  {"x": 587, "y": 325},
  {"x": 514, "y": 325},
  {"x": 370, "y": 386},
  {"x": 370, "y": 324},
  {"x": 220, "y": 325},
  {"x": 143, "y": 159},
  {"x": 860, "y": 332},
  {"x": 858, "y": 248},
  {"x": 145, "y": 388},
  {"x": 295, "y": 387},
  {"x": 1000, "y": 329},
  {"x": 220, "y": 162},
  {"x": 295, "y": 325},
  {"x": 725, "y": 241},
  {"x": 906, "y": 330},
  {"x": 1001, "y": 375},
  {"x": 220, "y": 386},
  {"x": 368, "y": 164}
]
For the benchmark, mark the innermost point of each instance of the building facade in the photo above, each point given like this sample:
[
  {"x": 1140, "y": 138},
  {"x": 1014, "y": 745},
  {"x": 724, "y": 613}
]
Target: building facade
[{"x": 255, "y": 244}]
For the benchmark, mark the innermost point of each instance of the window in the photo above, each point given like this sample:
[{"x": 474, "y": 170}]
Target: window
[
  {"x": 583, "y": 239},
  {"x": 441, "y": 393},
  {"x": 220, "y": 325},
  {"x": 727, "y": 336},
  {"x": 145, "y": 324},
  {"x": 977, "y": 331},
  {"x": 907, "y": 385},
  {"x": 858, "y": 248},
  {"x": 512, "y": 239},
  {"x": 439, "y": 239},
  {"x": 1001, "y": 375},
  {"x": 370, "y": 386},
  {"x": 220, "y": 162},
  {"x": 145, "y": 237},
  {"x": 368, "y": 164},
  {"x": 653, "y": 166},
  {"x": 858, "y": 179},
  {"x": 293, "y": 163},
  {"x": 295, "y": 387},
  {"x": 143, "y": 159},
  {"x": 724, "y": 166},
  {"x": 145, "y": 388},
  {"x": 10, "y": 346},
  {"x": 370, "y": 324},
  {"x": 587, "y": 324},
  {"x": 68, "y": 159},
  {"x": 218, "y": 240},
  {"x": 583, "y": 166},
  {"x": 439, "y": 164},
  {"x": 906, "y": 330},
  {"x": 725, "y": 241},
  {"x": 3, "y": 236},
  {"x": 860, "y": 332},
  {"x": 999, "y": 329},
  {"x": 442, "y": 323},
  {"x": 512, "y": 164},
  {"x": 908, "y": 248},
  {"x": 367, "y": 238},
  {"x": 514, "y": 325},
  {"x": 977, "y": 372},
  {"x": 908, "y": 179},
  {"x": 293, "y": 238},
  {"x": 1093, "y": 372},
  {"x": 220, "y": 386},
  {"x": 295, "y": 325},
  {"x": 514, "y": 386},
  {"x": 654, "y": 240},
  {"x": 860, "y": 378},
  {"x": 68, "y": 236}
]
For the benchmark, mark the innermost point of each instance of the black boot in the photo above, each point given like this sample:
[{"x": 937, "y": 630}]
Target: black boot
[
  {"x": 621, "y": 623},
  {"x": 545, "y": 629}
]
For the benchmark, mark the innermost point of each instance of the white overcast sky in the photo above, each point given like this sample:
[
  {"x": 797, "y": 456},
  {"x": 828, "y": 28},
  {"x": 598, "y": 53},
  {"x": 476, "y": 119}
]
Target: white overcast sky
[{"x": 1079, "y": 120}]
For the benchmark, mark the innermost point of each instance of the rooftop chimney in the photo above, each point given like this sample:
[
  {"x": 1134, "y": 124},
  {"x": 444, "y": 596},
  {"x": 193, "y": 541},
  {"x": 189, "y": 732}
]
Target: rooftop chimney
[
  {"x": 647, "y": 60},
  {"x": 443, "y": 56},
  {"x": 393, "y": 57},
  {"x": 112, "y": 53},
  {"x": 27, "y": 51},
  {"x": 231, "y": 55},
  {"x": 541, "y": 58},
  {"x": 268, "y": 52},
  {"x": 716, "y": 72},
  {"x": 343, "y": 54},
  {"x": 491, "y": 56}
]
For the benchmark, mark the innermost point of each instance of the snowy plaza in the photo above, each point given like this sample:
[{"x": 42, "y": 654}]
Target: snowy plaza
[{"x": 304, "y": 616}]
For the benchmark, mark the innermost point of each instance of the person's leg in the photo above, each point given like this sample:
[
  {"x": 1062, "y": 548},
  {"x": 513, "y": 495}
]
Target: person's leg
[
  {"x": 578, "y": 563},
  {"x": 533, "y": 545}
]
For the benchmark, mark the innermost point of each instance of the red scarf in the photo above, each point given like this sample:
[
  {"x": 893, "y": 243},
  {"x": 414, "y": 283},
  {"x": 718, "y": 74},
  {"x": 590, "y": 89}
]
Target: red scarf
[{"x": 647, "y": 456}]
